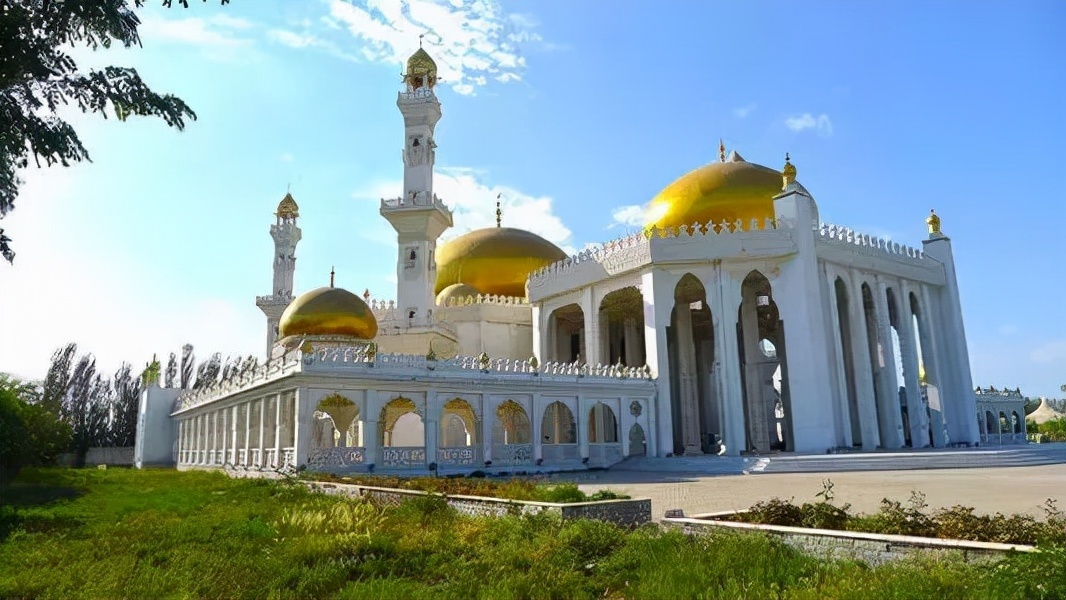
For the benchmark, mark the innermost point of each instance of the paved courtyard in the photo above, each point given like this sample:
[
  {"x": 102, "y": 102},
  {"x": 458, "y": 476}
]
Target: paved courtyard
[{"x": 989, "y": 490}]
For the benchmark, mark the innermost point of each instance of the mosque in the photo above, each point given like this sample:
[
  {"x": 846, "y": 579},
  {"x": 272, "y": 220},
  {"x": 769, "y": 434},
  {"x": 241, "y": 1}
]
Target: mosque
[{"x": 735, "y": 323}]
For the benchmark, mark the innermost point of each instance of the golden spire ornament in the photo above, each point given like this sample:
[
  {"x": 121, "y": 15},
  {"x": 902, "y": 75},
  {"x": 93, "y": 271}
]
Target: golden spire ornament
[
  {"x": 788, "y": 173},
  {"x": 331, "y": 274},
  {"x": 499, "y": 212},
  {"x": 933, "y": 221},
  {"x": 721, "y": 150}
]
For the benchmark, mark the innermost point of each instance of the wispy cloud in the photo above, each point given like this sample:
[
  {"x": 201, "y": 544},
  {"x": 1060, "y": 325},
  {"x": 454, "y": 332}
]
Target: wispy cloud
[
  {"x": 742, "y": 112},
  {"x": 1050, "y": 352},
  {"x": 220, "y": 37},
  {"x": 820, "y": 123},
  {"x": 473, "y": 204},
  {"x": 472, "y": 41},
  {"x": 632, "y": 215}
]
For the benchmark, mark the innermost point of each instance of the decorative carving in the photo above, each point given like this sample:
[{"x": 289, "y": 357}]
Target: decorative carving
[{"x": 635, "y": 408}]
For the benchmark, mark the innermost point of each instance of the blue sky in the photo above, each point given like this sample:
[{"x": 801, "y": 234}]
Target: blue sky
[{"x": 578, "y": 113}]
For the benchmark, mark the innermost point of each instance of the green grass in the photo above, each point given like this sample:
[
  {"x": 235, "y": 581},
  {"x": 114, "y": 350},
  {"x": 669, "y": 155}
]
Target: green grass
[{"x": 165, "y": 534}]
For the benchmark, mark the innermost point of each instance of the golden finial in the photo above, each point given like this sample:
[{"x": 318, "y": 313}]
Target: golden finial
[
  {"x": 933, "y": 222},
  {"x": 499, "y": 212},
  {"x": 789, "y": 172},
  {"x": 331, "y": 274},
  {"x": 420, "y": 36},
  {"x": 287, "y": 208},
  {"x": 721, "y": 150},
  {"x": 366, "y": 295}
]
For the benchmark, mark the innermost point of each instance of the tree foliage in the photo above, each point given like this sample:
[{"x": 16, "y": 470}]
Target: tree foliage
[
  {"x": 29, "y": 433},
  {"x": 38, "y": 77}
]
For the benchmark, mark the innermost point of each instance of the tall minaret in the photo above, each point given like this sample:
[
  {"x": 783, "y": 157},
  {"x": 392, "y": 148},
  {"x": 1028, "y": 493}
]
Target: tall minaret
[
  {"x": 418, "y": 216},
  {"x": 286, "y": 235}
]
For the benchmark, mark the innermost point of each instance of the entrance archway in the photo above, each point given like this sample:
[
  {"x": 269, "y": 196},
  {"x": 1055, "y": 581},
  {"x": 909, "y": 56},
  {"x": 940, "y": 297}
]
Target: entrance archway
[
  {"x": 767, "y": 406},
  {"x": 622, "y": 327},
  {"x": 566, "y": 334},
  {"x": 698, "y": 419}
]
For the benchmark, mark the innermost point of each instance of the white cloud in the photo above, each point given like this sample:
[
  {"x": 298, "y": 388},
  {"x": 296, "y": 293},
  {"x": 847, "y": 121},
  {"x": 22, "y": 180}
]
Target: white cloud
[
  {"x": 1008, "y": 329},
  {"x": 287, "y": 157},
  {"x": 471, "y": 41},
  {"x": 632, "y": 215},
  {"x": 1050, "y": 352},
  {"x": 743, "y": 111},
  {"x": 473, "y": 205},
  {"x": 820, "y": 123},
  {"x": 221, "y": 37}
]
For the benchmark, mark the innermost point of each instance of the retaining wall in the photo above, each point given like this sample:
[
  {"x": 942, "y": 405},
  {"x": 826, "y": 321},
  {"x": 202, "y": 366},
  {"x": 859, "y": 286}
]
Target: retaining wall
[
  {"x": 872, "y": 548},
  {"x": 627, "y": 513}
]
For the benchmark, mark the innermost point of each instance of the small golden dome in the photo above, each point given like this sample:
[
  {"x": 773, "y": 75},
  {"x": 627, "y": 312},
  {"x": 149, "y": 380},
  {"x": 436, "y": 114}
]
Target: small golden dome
[
  {"x": 287, "y": 208},
  {"x": 933, "y": 221},
  {"x": 328, "y": 311},
  {"x": 494, "y": 260},
  {"x": 457, "y": 291},
  {"x": 421, "y": 69},
  {"x": 720, "y": 191}
]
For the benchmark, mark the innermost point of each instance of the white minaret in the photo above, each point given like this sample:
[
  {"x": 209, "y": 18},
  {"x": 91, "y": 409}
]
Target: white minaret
[
  {"x": 286, "y": 235},
  {"x": 418, "y": 217}
]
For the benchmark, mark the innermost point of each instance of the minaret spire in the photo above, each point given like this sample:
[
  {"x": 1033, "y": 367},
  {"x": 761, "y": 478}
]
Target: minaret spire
[
  {"x": 418, "y": 216},
  {"x": 286, "y": 234}
]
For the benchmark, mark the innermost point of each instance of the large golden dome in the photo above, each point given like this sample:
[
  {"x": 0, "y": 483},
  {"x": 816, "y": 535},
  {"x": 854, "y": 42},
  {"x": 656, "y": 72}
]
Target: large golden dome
[
  {"x": 328, "y": 311},
  {"x": 494, "y": 260},
  {"x": 721, "y": 191}
]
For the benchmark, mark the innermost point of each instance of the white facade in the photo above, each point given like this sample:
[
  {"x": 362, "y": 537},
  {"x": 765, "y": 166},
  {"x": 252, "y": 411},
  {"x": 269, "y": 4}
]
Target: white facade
[{"x": 780, "y": 334}]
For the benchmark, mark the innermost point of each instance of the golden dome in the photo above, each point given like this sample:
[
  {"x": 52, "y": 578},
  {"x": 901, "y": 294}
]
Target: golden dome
[
  {"x": 721, "y": 191},
  {"x": 328, "y": 311},
  {"x": 456, "y": 291},
  {"x": 421, "y": 69},
  {"x": 494, "y": 260},
  {"x": 287, "y": 207}
]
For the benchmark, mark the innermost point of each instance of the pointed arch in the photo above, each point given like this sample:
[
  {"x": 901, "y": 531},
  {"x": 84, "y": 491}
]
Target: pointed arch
[
  {"x": 558, "y": 426},
  {"x": 603, "y": 424},
  {"x": 401, "y": 424},
  {"x": 458, "y": 424}
]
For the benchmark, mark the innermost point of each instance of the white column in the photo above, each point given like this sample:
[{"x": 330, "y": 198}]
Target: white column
[
  {"x": 840, "y": 381},
  {"x": 931, "y": 352},
  {"x": 371, "y": 437},
  {"x": 686, "y": 354},
  {"x": 582, "y": 417},
  {"x": 860, "y": 351},
  {"x": 916, "y": 414},
  {"x": 888, "y": 409},
  {"x": 536, "y": 416},
  {"x": 431, "y": 428},
  {"x": 757, "y": 411},
  {"x": 278, "y": 462},
  {"x": 725, "y": 297},
  {"x": 658, "y": 302},
  {"x": 247, "y": 431},
  {"x": 488, "y": 420},
  {"x": 593, "y": 344},
  {"x": 224, "y": 457},
  {"x": 538, "y": 332}
]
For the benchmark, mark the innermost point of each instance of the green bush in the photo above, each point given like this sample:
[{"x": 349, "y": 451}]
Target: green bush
[{"x": 509, "y": 489}]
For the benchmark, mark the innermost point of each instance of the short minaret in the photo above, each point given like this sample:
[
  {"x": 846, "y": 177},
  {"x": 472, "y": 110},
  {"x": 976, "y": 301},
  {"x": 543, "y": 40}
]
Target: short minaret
[
  {"x": 418, "y": 217},
  {"x": 286, "y": 235}
]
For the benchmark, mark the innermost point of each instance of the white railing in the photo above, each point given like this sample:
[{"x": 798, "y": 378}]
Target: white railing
[
  {"x": 840, "y": 235},
  {"x": 395, "y": 457},
  {"x": 330, "y": 458},
  {"x": 512, "y": 454},
  {"x": 560, "y": 452},
  {"x": 459, "y": 456}
]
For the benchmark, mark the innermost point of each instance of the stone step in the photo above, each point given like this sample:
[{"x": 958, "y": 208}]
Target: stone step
[{"x": 1022, "y": 455}]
